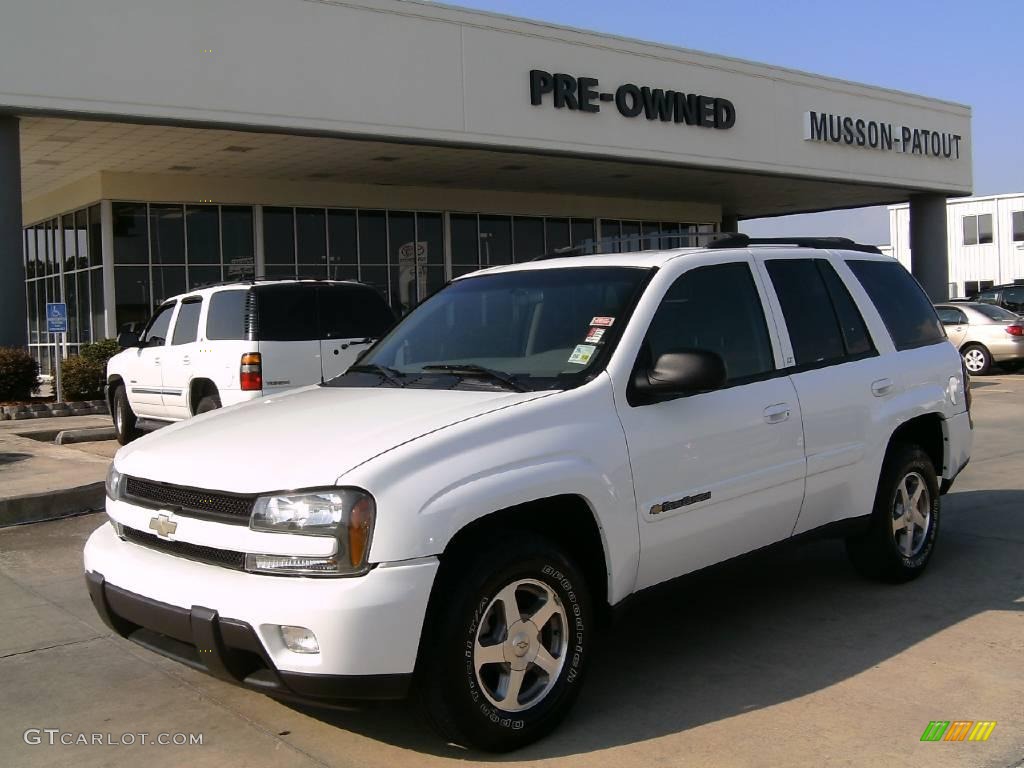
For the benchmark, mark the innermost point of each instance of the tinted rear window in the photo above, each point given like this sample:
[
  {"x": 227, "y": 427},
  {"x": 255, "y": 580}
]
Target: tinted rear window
[
  {"x": 903, "y": 305},
  {"x": 352, "y": 311},
  {"x": 286, "y": 313},
  {"x": 226, "y": 316}
]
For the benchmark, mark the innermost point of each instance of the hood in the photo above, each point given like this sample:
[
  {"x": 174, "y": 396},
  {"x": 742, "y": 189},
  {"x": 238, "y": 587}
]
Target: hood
[{"x": 301, "y": 439}]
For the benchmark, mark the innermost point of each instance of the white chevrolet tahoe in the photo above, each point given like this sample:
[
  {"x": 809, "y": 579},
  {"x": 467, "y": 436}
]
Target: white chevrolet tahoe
[
  {"x": 231, "y": 343},
  {"x": 456, "y": 513}
]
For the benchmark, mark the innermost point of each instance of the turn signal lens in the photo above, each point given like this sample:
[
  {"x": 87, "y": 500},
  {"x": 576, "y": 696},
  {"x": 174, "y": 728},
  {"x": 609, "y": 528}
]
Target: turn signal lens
[
  {"x": 250, "y": 375},
  {"x": 360, "y": 526},
  {"x": 1015, "y": 330}
]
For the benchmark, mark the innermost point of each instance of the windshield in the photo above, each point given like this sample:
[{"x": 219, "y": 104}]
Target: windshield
[
  {"x": 535, "y": 329},
  {"x": 993, "y": 312}
]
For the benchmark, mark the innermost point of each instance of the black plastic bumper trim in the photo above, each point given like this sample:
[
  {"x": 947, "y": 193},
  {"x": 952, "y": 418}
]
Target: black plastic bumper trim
[{"x": 228, "y": 649}]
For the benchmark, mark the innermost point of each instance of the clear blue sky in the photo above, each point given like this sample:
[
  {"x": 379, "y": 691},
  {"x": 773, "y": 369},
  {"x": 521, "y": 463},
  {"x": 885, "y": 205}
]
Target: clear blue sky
[{"x": 972, "y": 53}]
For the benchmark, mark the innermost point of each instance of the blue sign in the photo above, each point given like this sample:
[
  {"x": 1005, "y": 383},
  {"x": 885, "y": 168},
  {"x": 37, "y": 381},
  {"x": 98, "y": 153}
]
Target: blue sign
[{"x": 57, "y": 318}]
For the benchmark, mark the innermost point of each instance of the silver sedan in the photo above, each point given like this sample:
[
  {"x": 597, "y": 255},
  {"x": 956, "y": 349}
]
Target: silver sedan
[{"x": 985, "y": 334}]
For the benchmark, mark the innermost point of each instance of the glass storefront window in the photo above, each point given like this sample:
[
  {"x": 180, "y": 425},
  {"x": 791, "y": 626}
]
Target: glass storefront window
[
  {"x": 131, "y": 235},
  {"x": 132, "y": 297},
  {"x": 582, "y": 232},
  {"x": 344, "y": 245},
  {"x": 465, "y": 240},
  {"x": 557, "y": 234},
  {"x": 82, "y": 239},
  {"x": 311, "y": 242},
  {"x": 167, "y": 234},
  {"x": 96, "y": 300},
  {"x": 407, "y": 261},
  {"x": 279, "y": 241},
  {"x": 495, "y": 240},
  {"x": 238, "y": 253},
  {"x": 202, "y": 234},
  {"x": 528, "y": 236}
]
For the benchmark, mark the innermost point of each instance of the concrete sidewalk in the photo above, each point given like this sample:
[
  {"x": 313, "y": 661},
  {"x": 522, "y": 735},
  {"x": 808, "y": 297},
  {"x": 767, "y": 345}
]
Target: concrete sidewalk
[{"x": 41, "y": 480}]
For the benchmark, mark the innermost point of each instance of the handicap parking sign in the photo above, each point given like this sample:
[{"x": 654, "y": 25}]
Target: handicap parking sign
[{"x": 57, "y": 318}]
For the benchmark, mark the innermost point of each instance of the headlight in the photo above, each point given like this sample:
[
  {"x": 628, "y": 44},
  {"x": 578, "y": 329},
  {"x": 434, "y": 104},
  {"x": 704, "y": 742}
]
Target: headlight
[
  {"x": 115, "y": 483},
  {"x": 345, "y": 514}
]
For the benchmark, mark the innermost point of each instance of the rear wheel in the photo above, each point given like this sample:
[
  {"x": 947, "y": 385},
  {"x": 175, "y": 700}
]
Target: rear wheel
[
  {"x": 977, "y": 359},
  {"x": 904, "y": 523},
  {"x": 504, "y": 654},
  {"x": 124, "y": 417},
  {"x": 208, "y": 403}
]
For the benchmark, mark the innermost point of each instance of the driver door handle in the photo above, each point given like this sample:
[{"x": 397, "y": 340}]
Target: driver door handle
[{"x": 776, "y": 414}]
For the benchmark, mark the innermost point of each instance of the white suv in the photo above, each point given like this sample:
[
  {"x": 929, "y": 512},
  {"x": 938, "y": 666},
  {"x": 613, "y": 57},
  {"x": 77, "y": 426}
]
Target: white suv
[
  {"x": 523, "y": 451},
  {"x": 224, "y": 345}
]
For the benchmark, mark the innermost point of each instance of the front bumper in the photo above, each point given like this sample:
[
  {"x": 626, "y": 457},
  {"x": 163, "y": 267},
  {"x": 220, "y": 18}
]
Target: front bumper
[{"x": 227, "y": 622}]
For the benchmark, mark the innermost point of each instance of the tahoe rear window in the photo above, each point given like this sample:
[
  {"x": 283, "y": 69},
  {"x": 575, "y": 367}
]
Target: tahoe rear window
[
  {"x": 905, "y": 309},
  {"x": 225, "y": 319}
]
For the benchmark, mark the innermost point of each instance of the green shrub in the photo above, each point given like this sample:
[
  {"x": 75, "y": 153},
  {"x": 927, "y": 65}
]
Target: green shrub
[
  {"x": 100, "y": 351},
  {"x": 82, "y": 378},
  {"x": 19, "y": 374}
]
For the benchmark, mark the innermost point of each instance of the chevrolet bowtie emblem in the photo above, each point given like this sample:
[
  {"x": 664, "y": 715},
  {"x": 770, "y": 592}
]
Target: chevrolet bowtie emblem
[{"x": 163, "y": 525}]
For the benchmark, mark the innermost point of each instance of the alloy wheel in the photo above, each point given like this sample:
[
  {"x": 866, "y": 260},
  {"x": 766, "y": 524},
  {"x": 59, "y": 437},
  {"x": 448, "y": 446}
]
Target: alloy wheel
[
  {"x": 520, "y": 645},
  {"x": 911, "y": 514}
]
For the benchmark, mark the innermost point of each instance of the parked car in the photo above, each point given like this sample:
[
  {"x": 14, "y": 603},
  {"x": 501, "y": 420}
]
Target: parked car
[
  {"x": 984, "y": 333},
  {"x": 523, "y": 451},
  {"x": 231, "y": 343},
  {"x": 1009, "y": 296}
]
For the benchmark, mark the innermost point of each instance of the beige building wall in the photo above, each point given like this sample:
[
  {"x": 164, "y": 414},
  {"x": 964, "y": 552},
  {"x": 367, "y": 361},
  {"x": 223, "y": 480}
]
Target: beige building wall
[{"x": 176, "y": 188}]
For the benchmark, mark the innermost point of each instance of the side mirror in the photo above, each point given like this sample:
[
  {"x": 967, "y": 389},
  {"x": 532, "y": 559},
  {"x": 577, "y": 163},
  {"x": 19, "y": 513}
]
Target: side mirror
[
  {"x": 682, "y": 373},
  {"x": 127, "y": 340}
]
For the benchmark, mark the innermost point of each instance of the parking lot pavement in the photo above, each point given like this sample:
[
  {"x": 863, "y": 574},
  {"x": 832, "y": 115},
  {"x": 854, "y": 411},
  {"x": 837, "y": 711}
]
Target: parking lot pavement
[{"x": 783, "y": 658}]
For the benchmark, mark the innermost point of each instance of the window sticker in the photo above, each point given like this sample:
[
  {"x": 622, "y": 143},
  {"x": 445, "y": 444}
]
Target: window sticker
[
  {"x": 582, "y": 354},
  {"x": 594, "y": 335},
  {"x": 603, "y": 322}
]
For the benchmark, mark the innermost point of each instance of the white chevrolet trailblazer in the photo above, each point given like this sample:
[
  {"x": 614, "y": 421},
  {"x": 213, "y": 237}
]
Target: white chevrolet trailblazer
[{"x": 457, "y": 512}]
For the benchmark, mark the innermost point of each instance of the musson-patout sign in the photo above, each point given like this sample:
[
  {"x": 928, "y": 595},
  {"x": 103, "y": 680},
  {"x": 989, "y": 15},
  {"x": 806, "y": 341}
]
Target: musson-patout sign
[{"x": 855, "y": 131}]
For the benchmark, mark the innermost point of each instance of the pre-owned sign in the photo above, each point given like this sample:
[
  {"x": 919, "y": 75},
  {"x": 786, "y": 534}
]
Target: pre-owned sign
[
  {"x": 668, "y": 106},
  {"x": 877, "y": 134}
]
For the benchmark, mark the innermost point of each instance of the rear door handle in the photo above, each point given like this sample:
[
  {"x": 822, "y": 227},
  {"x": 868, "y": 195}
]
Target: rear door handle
[
  {"x": 881, "y": 387},
  {"x": 776, "y": 414},
  {"x": 185, "y": 360}
]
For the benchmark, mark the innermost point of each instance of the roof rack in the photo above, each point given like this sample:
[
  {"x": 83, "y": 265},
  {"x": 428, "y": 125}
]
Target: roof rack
[
  {"x": 665, "y": 241},
  {"x": 738, "y": 240}
]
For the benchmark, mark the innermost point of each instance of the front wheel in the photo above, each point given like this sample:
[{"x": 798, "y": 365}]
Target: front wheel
[
  {"x": 125, "y": 428},
  {"x": 904, "y": 525},
  {"x": 506, "y": 644},
  {"x": 977, "y": 360}
]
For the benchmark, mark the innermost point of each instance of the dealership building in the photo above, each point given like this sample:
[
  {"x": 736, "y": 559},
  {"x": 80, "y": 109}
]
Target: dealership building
[
  {"x": 148, "y": 147},
  {"x": 984, "y": 240}
]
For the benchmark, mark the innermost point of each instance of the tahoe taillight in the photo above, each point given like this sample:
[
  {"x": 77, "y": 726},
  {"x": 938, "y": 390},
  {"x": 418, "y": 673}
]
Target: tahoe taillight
[
  {"x": 1015, "y": 330},
  {"x": 250, "y": 375}
]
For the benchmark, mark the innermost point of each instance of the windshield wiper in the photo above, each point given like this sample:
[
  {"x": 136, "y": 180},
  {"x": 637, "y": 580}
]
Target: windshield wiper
[
  {"x": 468, "y": 369},
  {"x": 390, "y": 375}
]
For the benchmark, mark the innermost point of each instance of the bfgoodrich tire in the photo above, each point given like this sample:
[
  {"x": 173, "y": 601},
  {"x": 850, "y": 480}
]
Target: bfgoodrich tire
[
  {"x": 208, "y": 403},
  {"x": 904, "y": 525},
  {"x": 124, "y": 417},
  {"x": 506, "y": 644}
]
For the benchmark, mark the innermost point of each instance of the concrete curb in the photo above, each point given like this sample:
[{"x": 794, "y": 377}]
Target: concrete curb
[
  {"x": 85, "y": 435},
  {"x": 52, "y": 504}
]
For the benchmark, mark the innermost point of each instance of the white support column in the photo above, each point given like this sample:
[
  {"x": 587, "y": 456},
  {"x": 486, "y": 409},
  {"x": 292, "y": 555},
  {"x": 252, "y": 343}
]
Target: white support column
[
  {"x": 260, "y": 265},
  {"x": 107, "y": 247}
]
